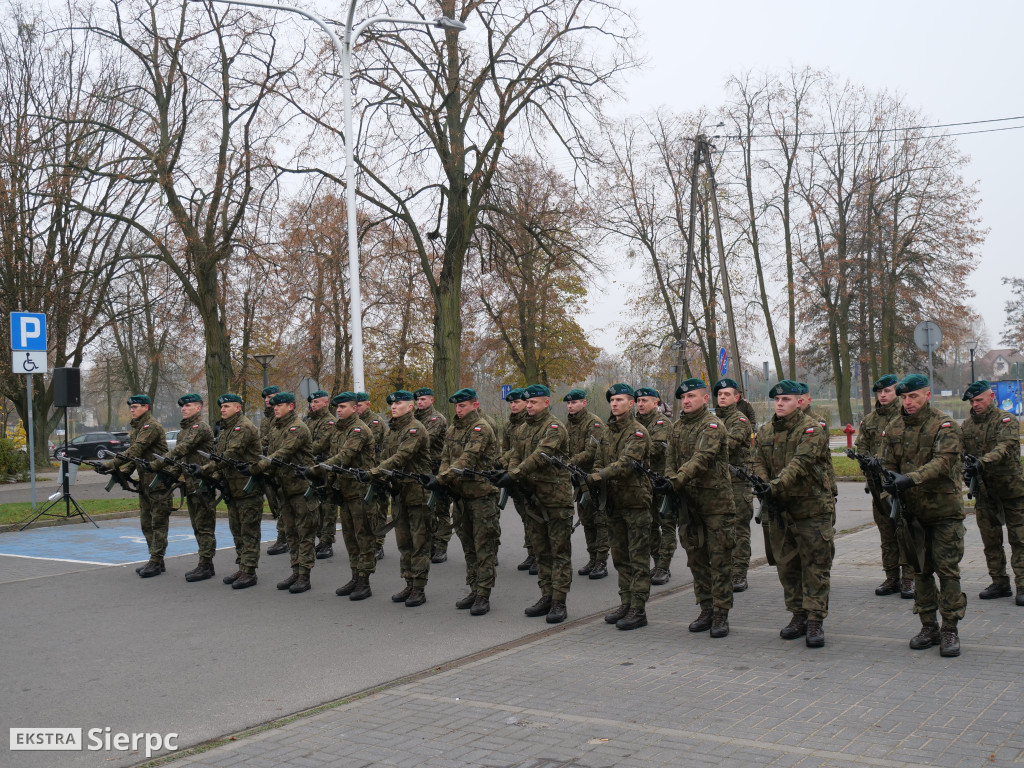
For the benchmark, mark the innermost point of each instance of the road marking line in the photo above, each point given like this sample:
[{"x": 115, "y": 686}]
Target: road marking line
[{"x": 59, "y": 559}]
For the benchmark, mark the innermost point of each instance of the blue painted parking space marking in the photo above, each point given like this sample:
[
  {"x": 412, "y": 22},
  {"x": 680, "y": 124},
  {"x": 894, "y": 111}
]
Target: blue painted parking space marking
[{"x": 115, "y": 542}]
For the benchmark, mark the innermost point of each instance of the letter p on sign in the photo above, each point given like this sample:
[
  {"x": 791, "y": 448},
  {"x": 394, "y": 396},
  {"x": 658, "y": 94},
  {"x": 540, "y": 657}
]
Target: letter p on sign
[{"x": 28, "y": 332}]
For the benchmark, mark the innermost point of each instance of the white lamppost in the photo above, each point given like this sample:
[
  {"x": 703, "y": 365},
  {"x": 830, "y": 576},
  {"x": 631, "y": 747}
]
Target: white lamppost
[{"x": 344, "y": 50}]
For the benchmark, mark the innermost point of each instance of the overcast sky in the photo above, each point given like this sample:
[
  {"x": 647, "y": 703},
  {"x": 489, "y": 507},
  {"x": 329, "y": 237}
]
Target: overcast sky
[{"x": 957, "y": 62}]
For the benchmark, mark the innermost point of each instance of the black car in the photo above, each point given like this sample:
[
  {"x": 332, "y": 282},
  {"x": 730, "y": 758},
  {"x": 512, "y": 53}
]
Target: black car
[{"x": 88, "y": 445}]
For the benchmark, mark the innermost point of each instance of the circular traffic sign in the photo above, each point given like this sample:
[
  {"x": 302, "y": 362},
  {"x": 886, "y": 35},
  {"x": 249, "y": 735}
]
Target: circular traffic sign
[{"x": 928, "y": 336}]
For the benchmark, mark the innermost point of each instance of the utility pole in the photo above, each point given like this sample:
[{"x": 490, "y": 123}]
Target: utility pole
[{"x": 109, "y": 403}]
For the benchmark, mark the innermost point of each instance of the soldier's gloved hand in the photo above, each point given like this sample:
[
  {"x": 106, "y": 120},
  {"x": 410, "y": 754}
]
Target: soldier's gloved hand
[
  {"x": 432, "y": 483},
  {"x": 375, "y": 475},
  {"x": 662, "y": 486},
  {"x": 103, "y": 467},
  {"x": 259, "y": 467},
  {"x": 504, "y": 480},
  {"x": 897, "y": 482},
  {"x": 322, "y": 469},
  {"x": 364, "y": 476},
  {"x": 194, "y": 469},
  {"x": 308, "y": 473},
  {"x": 594, "y": 478},
  {"x": 244, "y": 469},
  {"x": 157, "y": 464}
]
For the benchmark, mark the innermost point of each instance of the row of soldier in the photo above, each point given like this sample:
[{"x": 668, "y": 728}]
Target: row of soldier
[{"x": 635, "y": 482}]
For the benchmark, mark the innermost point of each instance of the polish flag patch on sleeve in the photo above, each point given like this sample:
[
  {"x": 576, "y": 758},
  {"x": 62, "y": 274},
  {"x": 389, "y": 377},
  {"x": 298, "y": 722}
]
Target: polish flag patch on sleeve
[
  {"x": 638, "y": 434},
  {"x": 196, "y": 426},
  {"x": 412, "y": 431},
  {"x": 1006, "y": 419},
  {"x": 356, "y": 429},
  {"x": 945, "y": 424},
  {"x": 238, "y": 429},
  {"x": 809, "y": 431},
  {"x": 553, "y": 426},
  {"x": 477, "y": 429},
  {"x": 712, "y": 425},
  {"x": 292, "y": 429}
]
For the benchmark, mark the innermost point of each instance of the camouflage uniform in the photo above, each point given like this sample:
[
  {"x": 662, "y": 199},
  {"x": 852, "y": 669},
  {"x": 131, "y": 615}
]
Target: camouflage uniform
[
  {"x": 269, "y": 491},
  {"x": 787, "y": 453},
  {"x": 290, "y": 440},
  {"x": 194, "y": 434},
  {"x": 739, "y": 430},
  {"x": 825, "y": 457},
  {"x": 515, "y": 421},
  {"x": 352, "y": 445},
  {"x": 697, "y": 466},
  {"x": 623, "y": 441},
  {"x": 437, "y": 425},
  {"x": 378, "y": 509},
  {"x": 549, "y": 494},
  {"x": 869, "y": 442},
  {"x": 582, "y": 427},
  {"x": 663, "y": 529},
  {"x": 994, "y": 438},
  {"x": 146, "y": 438},
  {"x": 407, "y": 448},
  {"x": 470, "y": 444},
  {"x": 926, "y": 447},
  {"x": 239, "y": 439},
  {"x": 321, "y": 427}
]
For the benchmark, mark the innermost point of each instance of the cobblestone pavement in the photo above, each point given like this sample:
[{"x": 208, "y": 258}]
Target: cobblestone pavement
[{"x": 588, "y": 695}]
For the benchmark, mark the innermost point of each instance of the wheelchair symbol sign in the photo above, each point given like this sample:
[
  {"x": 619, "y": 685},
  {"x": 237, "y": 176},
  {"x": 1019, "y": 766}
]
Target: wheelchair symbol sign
[{"x": 28, "y": 362}]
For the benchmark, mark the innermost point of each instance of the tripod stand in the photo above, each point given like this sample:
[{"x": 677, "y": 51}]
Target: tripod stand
[{"x": 65, "y": 494}]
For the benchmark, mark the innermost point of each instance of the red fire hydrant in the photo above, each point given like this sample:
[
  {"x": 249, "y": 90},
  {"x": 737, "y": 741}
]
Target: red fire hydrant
[{"x": 850, "y": 432}]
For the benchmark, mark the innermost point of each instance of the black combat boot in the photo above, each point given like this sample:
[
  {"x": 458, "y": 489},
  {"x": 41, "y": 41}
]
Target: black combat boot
[
  {"x": 243, "y": 581},
  {"x": 325, "y": 550},
  {"x": 279, "y": 547},
  {"x": 949, "y": 641},
  {"x": 287, "y": 583},
  {"x": 660, "y": 576},
  {"x": 993, "y": 591},
  {"x": 586, "y": 569},
  {"x": 815, "y": 634},
  {"x": 557, "y": 613},
  {"x": 618, "y": 613},
  {"x": 797, "y": 627},
  {"x": 600, "y": 570},
  {"x": 927, "y": 637},
  {"x": 634, "y": 619},
  {"x": 739, "y": 584},
  {"x": 416, "y": 597},
  {"x": 400, "y": 597},
  {"x": 466, "y": 602},
  {"x": 152, "y": 568},
  {"x": 201, "y": 572},
  {"x": 440, "y": 555},
  {"x": 362, "y": 590},
  {"x": 720, "y": 625},
  {"x": 481, "y": 605},
  {"x": 380, "y": 553},
  {"x": 233, "y": 577},
  {"x": 346, "y": 589},
  {"x": 540, "y": 608},
  {"x": 703, "y": 621},
  {"x": 301, "y": 584},
  {"x": 526, "y": 564},
  {"x": 890, "y": 586},
  {"x": 1019, "y": 599},
  {"x": 534, "y": 568},
  {"x": 907, "y": 589},
  {"x": 142, "y": 567}
]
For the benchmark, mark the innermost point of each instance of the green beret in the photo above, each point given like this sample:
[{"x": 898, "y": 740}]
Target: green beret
[
  {"x": 319, "y": 393},
  {"x": 345, "y": 397},
  {"x": 889, "y": 380},
  {"x": 229, "y": 397},
  {"x": 401, "y": 394},
  {"x": 273, "y": 389},
  {"x": 647, "y": 392},
  {"x": 280, "y": 398},
  {"x": 619, "y": 389},
  {"x": 911, "y": 383},
  {"x": 536, "y": 390},
  {"x": 976, "y": 389},
  {"x": 362, "y": 397},
  {"x": 724, "y": 384},
  {"x": 574, "y": 394},
  {"x": 191, "y": 397},
  {"x": 463, "y": 395},
  {"x": 688, "y": 386},
  {"x": 515, "y": 394},
  {"x": 139, "y": 400},
  {"x": 785, "y": 387},
  {"x": 804, "y": 389},
  {"x": 423, "y": 392}
]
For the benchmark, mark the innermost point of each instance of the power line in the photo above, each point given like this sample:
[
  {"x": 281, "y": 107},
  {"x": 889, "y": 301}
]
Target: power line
[{"x": 882, "y": 130}]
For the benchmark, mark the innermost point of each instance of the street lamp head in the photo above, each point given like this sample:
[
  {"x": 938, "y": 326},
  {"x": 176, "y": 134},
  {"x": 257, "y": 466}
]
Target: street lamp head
[
  {"x": 263, "y": 360},
  {"x": 972, "y": 345},
  {"x": 446, "y": 23}
]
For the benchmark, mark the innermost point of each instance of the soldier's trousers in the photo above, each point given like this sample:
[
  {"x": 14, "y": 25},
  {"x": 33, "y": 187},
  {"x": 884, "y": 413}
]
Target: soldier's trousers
[
  {"x": 203, "y": 513},
  {"x": 630, "y": 534},
  {"x": 944, "y": 549},
  {"x": 595, "y": 529},
  {"x": 519, "y": 501},
  {"x": 328, "y": 519},
  {"x": 378, "y": 511},
  {"x": 300, "y": 517},
  {"x": 273, "y": 501},
  {"x": 442, "y": 524},
  {"x": 357, "y": 532},
  {"x": 992, "y": 537},
  {"x": 478, "y": 526},
  {"x": 154, "y": 516},
  {"x": 244, "y": 516},
  {"x": 662, "y": 535},
  {"x": 710, "y": 561},
  {"x": 743, "y": 500},
  {"x": 893, "y": 562},
  {"x": 803, "y": 553},
  {"x": 553, "y": 549},
  {"x": 413, "y": 526}
]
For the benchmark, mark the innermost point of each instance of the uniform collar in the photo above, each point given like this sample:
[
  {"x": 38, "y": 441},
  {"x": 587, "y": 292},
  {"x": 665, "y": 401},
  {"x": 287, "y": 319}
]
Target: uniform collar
[
  {"x": 469, "y": 419},
  {"x": 918, "y": 418},
  {"x": 401, "y": 421},
  {"x": 231, "y": 420},
  {"x": 543, "y": 415},
  {"x": 346, "y": 422},
  {"x": 887, "y": 410},
  {"x": 193, "y": 419},
  {"x": 287, "y": 419},
  {"x": 988, "y": 413},
  {"x": 689, "y": 418},
  {"x": 580, "y": 416},
  {"x": 786, "y": 423}
]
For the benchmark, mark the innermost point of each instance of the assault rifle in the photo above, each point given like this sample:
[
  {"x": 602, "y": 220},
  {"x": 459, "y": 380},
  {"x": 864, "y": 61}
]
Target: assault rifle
[
  {"x": 673, "y": 506},
  {"x": 974, "y": 479},
  {"x": 117, "y": 477},
  {"x": 598, "y": 495},
  {"x": 766, "y": 503},
  {"x": 207, "y": 485},
  {"x": 161, "y": 479},
  {"x": 242, "y": 467}
]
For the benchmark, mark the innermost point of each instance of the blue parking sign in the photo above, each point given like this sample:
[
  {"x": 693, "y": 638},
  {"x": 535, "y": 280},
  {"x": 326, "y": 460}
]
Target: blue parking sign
[{"x": 28, "y": 332}]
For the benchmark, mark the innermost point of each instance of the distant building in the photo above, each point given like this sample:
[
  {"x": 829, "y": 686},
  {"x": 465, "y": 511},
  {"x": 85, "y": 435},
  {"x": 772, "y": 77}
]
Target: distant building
[{"x": 998, "y": 364}]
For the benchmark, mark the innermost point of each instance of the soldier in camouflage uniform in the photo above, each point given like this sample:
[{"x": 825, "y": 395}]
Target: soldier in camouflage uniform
[
  {"x": 697, "y": 472},
  {"x": 787, "y": 454},
  {"x": 550, "y": 498},
  {"x": 585, "y": 430},
  {"x": 194, "y": 434},
  {"x": 663, "y": 529},
  {"x": 280, "y": 546},
  {"x": 407, "y": 449},
  {"x": 899, "y": 576},
  {"x": 290, "y": 441},
  {"x": 146, "y": 438},
  {"x": 921, "y": 446},
  {"x": 740, "y": 431},
  {"x": 378, "y": 508},
  {"x": 436, "y": 425},
  {"x": 628, "y": 505},
  {"x": 516, "y": 418},
  {"x": 470, "y": 444},
  {"x": 352, "y": 445},
  {"x": 992, "y": 436},
  {"x": 238, "y": 439},
  {"x": 825, "y": 459},
  {"x": 321, "y": 427}
]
